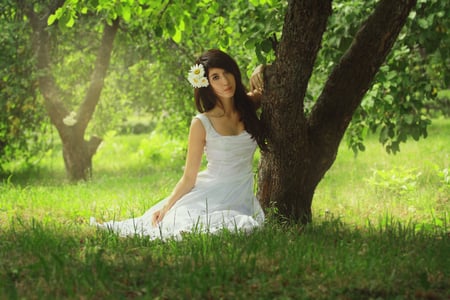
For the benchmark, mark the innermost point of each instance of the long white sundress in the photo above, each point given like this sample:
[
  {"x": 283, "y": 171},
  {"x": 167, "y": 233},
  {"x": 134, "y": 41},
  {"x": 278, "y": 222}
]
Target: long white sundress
[{"x": 222, "y": 197}]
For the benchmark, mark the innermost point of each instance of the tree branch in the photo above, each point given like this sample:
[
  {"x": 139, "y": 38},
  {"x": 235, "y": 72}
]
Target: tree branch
[
  {"x": 87, "y": 108},
  {"x": 352, "y": 77}
]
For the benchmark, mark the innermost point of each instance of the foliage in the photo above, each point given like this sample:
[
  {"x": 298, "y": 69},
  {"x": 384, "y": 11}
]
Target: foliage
[
  {"x": 398, "y": 104},
  {"x": 149, "y": 81},
  {"x": 404, "y": 94},
  {"x": 397, "y": 181},
  {"x": 404, "y": 91},
  {"x": 78, "y": 47},
  {"x": 184, "y": 32},
  {"x": 23, "y": 122},
  {"x": 159, "y": 40}
]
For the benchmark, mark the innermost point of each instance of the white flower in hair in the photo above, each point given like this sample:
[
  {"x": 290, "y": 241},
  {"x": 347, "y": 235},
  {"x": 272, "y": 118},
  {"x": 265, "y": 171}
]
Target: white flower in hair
[
  {"x": 204, "y": 82},
  {"x": 197, "y": 70},
  {"x": 197, "y": 77}
]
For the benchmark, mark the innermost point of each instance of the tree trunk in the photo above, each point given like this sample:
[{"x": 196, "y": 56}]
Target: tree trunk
[
  {"x": 78, "y": 160},
  {"x": 302, "y": 148},
  {"x": 77, "y": 152}
]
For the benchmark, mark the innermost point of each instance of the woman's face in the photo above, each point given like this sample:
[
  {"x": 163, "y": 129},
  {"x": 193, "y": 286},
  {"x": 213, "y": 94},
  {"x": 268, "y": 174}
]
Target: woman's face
[{"x": 222, "y": 83}]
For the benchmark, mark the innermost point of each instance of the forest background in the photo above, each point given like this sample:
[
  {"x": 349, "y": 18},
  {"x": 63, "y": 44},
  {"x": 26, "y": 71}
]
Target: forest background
[{"x": 145, "y": 87}]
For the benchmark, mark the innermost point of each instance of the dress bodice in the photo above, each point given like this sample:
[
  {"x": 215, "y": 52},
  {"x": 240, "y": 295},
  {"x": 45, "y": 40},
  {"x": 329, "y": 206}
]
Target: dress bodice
[{"x": 228, "y": 156}]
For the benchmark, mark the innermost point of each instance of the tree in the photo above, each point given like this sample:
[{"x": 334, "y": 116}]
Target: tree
[
  {"x": 71, "y": 126},
  {"x": 404, "y": 94},
  {"x": 303, "y": 147}
]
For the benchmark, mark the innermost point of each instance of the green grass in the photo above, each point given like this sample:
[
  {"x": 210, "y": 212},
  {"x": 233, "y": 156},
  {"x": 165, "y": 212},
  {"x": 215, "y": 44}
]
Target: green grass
[
  {"x": 380, "y": 231},
  {"x": 411, "y": 185}
]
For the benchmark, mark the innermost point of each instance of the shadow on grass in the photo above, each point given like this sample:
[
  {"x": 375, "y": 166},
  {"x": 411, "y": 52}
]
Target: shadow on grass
[
  {"x": 45, "y": 176},
  {"x": 324, "y": 260}
]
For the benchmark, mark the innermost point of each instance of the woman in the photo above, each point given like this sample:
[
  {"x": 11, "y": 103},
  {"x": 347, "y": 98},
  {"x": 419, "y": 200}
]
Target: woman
[{"x": 228, "y": 130}]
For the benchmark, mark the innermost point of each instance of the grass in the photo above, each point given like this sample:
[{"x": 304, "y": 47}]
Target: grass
[
  {"x": 380, "y": 231},
  {"x": 411, "y": 185}
]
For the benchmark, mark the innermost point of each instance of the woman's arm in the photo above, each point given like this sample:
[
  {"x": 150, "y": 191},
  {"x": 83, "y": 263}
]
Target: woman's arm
[{"x": 196, "y": 144}]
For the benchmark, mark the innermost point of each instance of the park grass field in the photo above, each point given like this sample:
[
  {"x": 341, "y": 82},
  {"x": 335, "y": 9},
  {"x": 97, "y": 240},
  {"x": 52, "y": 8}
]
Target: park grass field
[{"x": 380, "y": 231}]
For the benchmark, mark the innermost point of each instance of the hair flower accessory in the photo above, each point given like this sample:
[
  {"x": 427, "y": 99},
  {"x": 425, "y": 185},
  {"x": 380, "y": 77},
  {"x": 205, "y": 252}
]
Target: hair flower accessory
[{"x": 197, "y": 77}]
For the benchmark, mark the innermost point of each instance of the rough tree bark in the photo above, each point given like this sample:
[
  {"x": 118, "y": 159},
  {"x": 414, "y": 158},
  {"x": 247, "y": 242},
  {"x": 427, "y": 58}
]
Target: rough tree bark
[
  {"x": 303, "y": 147},
  {"x": 77, "y": 151}
]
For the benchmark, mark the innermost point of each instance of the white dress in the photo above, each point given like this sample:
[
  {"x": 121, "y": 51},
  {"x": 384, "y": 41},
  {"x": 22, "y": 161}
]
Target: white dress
[{"x": 222, "y": 197}]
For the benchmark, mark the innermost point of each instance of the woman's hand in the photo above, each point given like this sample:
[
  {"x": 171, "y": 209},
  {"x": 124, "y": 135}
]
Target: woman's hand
[
  {"x": 158, "y": 216},
  {"x": 257, "y": 80},
  {"x": 257, "y": 85},
  {"x": 255, "y": 96}
]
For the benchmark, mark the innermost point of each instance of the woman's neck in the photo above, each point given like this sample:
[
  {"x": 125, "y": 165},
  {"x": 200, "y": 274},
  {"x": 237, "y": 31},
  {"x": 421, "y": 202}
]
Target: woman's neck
[
  {"x": 227, "y": 106},
  {"x": 223, "y": 108}
]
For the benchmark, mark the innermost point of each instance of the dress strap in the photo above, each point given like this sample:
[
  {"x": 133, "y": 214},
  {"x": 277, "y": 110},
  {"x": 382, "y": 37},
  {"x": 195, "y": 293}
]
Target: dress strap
[{"x": 205, "y": 121}]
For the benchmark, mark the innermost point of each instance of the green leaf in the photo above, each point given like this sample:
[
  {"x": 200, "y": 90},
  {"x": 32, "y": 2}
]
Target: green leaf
[
  {"x": 409, "y": 119},
  {"x": 177, "y": 36},
  {"x": 126, "y": 13},
  {"x": 51, "y": 19},
  {"x": 383, "y": 135},
  {"x": 266, "y": 45},
  {"x": 158, "y": 31},
  {"x": 415, "y": 133},
  {"x": 70, "y": 22},
  {"x": 423, "y": 23}
]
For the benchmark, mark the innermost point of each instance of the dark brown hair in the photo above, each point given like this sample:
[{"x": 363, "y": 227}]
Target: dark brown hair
[{"x": 206, "y": 99}]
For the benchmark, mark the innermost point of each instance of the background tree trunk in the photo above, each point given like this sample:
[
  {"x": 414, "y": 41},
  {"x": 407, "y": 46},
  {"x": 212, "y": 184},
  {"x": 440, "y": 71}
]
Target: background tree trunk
[
  {"x": 302, "y": 148},
  {"x": 77, "y": 152}
]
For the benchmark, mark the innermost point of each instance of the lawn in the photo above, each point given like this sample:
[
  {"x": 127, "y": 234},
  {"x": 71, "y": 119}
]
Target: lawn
[{"x": 380, "y": 231}]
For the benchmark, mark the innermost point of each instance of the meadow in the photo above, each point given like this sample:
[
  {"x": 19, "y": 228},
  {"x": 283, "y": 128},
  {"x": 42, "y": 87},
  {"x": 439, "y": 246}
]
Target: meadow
[{"x": 380, "y": 230}]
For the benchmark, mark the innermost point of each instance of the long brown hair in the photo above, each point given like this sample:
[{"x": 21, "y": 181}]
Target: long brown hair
[{"x": 206, "y": 99}]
